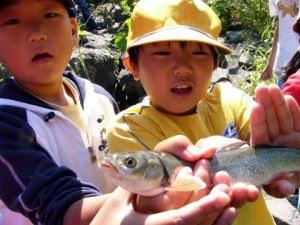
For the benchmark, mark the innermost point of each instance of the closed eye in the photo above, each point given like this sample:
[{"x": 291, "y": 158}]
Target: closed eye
[
  {"x": 161, "y": 53},
  {"x": 51, "y": 15},
  {"x": 12, "y": 21},
  {"x": 200, "y": 53}
]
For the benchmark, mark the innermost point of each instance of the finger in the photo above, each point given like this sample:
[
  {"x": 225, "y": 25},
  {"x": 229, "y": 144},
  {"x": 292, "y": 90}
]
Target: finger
[
  {"x": 201, "y": 170},
  {"x": 174, "y": 145},
  {"x": 282, "y": 111},
  {"x": 258, "y": 129},
  {"x": 253, "y": 193},
  {"x": 182, "y": 147},
  {"x": 220, "y": 188},
  {"x": 263, "y": 97},
  {"x": 239, "y": 194},
  {"x": 202, "y": 212},
  {"x": 162, "y": 202},
  {"x": 280, "y": 188},
  {"x": 295, "y": 111},
  {"x": 221, "y": 177},
  {"x": 184, "y": 171},
  {"x": 196, "y": 195},
  {"x": 227, "y": 217},
  {"x": 127, "y": 196},
  {"x": 122, "y": 207}
]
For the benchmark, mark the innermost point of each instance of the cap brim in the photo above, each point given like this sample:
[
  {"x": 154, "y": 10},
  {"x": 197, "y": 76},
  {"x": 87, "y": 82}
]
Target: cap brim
[{"x": 181, "y": 33}]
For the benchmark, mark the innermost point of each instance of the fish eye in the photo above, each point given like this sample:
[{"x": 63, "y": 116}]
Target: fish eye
[{"x": 130, "y": 162}]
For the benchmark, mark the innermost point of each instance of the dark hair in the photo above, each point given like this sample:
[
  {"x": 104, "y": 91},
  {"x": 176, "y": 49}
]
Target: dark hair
[
  {"x": 292, "y": 66},
  {"x": 69, "y": 4},
  {"x": 133, "y": 53}
]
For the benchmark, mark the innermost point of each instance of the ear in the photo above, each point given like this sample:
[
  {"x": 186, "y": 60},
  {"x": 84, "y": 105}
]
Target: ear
[
  {"x": 74, "y": 28},
  {"x": 133, "y": 69}
]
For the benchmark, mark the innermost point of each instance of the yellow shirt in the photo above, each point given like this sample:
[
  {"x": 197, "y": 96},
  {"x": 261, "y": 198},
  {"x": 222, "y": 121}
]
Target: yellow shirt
[{"x": 225, "y": 111}]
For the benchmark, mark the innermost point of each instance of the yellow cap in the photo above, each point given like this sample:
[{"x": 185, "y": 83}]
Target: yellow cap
[{"x": 174, "y": 20}]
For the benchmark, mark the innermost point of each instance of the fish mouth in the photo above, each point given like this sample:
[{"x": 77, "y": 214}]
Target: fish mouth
[{"x": 107, "y": 166}]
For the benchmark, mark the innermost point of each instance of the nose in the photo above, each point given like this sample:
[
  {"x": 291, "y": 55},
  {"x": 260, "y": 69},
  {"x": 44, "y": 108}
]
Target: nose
[
  {"x": 36, "y": 33},
  {"x": 182, "y": 66}
]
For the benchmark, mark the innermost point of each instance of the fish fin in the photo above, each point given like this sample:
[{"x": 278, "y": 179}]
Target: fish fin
[{"x": 186, "y": 183}]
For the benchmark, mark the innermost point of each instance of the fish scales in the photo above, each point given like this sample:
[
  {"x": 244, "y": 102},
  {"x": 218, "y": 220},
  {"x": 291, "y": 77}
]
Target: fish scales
[{"x": 256, "y": 165}]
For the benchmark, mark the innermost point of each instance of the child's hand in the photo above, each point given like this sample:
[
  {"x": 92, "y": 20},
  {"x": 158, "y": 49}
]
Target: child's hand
[
  {"x": 212, "y": 209},
  {"x": 240, "y": 193},
  {"x": 282, "y": 186},
  {"x": 275, "y": 120}
]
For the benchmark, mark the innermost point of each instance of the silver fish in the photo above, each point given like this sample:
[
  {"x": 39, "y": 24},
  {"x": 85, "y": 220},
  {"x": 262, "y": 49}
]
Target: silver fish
[
  {"x": 257, "y": 165},
  {"x": 149, "y": 173}
]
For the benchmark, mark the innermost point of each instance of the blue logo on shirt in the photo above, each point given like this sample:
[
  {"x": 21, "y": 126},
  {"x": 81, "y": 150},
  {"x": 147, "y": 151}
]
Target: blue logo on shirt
[{"x": 230, "y": 131}]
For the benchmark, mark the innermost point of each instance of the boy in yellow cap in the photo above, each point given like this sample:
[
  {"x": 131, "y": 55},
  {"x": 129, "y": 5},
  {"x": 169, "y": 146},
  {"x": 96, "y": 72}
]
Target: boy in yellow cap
[
  {"x": 173, "y": 50},
  {"x": 51, "y": 120}
]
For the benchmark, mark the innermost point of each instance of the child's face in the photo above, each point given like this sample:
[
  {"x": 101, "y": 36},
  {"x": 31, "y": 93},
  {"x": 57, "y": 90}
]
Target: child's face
[
  {"x": 175, "y": 77},
  {"x": 36, "y": 40}
]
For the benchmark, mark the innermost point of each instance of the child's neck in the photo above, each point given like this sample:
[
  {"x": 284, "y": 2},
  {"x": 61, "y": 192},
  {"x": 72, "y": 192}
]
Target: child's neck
[
  {"x": 62, "y": 98},
  {"x": 187, "y": 113},
  {"x": 58, "y": 94}
]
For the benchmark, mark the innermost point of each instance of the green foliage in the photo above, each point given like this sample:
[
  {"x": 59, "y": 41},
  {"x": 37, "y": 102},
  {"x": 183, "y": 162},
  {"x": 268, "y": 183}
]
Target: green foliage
[
  {"x": 254, "y": 17},
  {"x": 247, "y": 12},
  {"x": 261, "y": 56},
  {"x": 252, "y": 81},
  {"x": 81, "y": 34},
  {"x": 1, "y": 73},
  {"x": 127, "y": 5},
  {"x": 120, "y": 40}
]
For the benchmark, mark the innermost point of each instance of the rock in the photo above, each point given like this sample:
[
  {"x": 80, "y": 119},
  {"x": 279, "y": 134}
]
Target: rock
[
  {"x": 284, "y": 210},
  {"x": 234, "y": 37},
  {"x": 96, "y": 65},
  {"x": 96, "y": 60},
  {"x": 237, "y": 26},
  {"x": 127, "y": 90},
  {"x": 246, "y": 60}
]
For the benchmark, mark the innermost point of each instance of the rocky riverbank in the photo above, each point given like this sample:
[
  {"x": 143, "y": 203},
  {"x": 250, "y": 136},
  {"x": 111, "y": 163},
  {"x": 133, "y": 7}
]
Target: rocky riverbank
[{"x": 284, "y": 210}]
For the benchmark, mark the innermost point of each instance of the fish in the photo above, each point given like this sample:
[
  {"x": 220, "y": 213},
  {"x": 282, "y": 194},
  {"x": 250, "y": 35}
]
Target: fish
[{"x": 149, "y": 173}]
